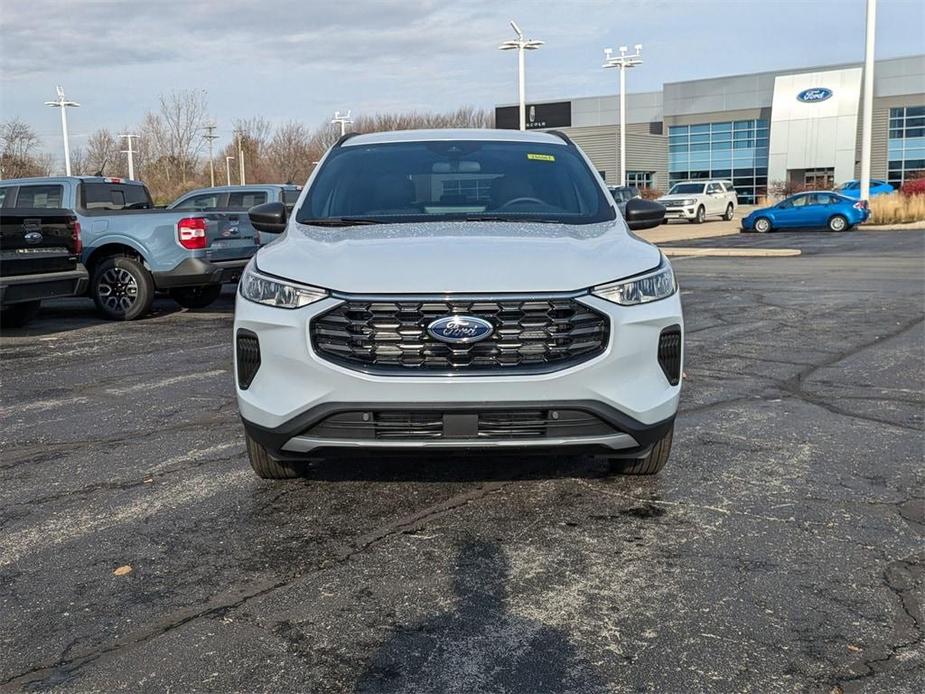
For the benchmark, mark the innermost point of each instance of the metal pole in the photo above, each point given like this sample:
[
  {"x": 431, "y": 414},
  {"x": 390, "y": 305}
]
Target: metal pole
[
  {"x": 622, "y": 125},
  {"x": 240, "y": 160},
  {"x": 131, "y": 158},
  {"x": 228, "y": 170},
  {"x": 210, "y": 135},
  {"x": 867, "y": 115},
  {"x": 67, "y": 149},
  {"x": 522, "y": 87}
]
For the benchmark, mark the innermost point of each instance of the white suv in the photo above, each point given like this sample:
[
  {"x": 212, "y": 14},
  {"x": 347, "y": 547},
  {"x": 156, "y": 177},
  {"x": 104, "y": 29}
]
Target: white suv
[
  {"x": 697, "y": 200},
  {"x": 455, "y": 290}
]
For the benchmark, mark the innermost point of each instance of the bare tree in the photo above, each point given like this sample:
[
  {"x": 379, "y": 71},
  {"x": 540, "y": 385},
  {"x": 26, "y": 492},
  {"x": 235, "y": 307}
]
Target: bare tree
[
  {"x": 104, "y": 154},
  {"x": 182, "y": 117},
  {"x": 288, "y": 154},
  {"x": 19, "y": 151}
]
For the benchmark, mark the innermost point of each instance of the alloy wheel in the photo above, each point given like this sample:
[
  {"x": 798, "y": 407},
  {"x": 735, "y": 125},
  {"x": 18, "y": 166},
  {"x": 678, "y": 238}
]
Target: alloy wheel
[{"x": 117, "y": 289}]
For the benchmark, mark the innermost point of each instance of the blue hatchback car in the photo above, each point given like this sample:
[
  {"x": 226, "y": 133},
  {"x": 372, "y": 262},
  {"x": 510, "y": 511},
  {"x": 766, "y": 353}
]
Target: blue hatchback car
[
  {"x": 818, "y": 210},
  {"x": 852, "y": 189}
]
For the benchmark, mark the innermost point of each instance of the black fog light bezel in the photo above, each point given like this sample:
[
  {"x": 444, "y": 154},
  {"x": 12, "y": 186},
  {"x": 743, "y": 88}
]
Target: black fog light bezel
[
  {"x": 670, "y": 348},
  {"x": 247, "y": 357}
]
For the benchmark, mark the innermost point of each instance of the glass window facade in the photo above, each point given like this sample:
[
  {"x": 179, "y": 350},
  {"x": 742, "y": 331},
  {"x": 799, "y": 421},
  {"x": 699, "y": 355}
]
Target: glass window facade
[
  {"x": 906, "y": 145},
  {"x": 732, "y": 150}
]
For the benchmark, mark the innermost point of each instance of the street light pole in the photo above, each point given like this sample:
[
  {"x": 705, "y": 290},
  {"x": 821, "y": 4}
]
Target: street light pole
[
  {"x": 228, "y": 161},
  {"x": 131, "y": 155},
  {"x": 623, "y": 62},
  {"x": 521, "y": 44},
  {"x": 867, "y": 116},
  {"x": 240, "y": 160},
  {"x": 342, "y": 120},
  {"x": 63, "y": 104}
]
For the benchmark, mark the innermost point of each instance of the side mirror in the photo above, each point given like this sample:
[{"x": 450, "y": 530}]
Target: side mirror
[
  {"x": 269, "y": 217},
  {"x": 643, "y": 214}
]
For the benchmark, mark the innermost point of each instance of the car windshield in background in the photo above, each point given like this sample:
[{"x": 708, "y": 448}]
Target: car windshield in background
[
  {"x": 686, "y": 188},
  {"x": 464, "y": 180},
  {"x": 114, "y": 196}
]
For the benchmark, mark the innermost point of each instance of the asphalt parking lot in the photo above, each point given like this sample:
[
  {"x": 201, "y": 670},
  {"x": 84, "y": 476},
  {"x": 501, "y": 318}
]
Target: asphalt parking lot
[{"x": 781, "y": 548}]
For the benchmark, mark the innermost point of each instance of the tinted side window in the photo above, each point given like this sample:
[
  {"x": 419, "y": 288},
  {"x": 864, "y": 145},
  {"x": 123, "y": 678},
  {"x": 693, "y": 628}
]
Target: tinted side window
[
  {"x": 245, "y": 200},
  {"x": 113, "y": 196},
  {"x": 39, "y": 196},
  {"x": 206, "y": 201},
  {"x": 3, "y": 192},
  {"x": 290, "y": 196}
]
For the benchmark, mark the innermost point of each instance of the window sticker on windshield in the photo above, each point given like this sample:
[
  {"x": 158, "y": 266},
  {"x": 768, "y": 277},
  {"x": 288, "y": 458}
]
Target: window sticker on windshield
[{"x": 540, "y": 157}]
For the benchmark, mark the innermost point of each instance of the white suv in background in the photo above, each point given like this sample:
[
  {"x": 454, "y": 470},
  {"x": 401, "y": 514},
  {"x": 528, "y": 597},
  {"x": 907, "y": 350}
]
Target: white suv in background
[
  {"x": 456, "y": 290},
  {"x": 697, "y": 200}
]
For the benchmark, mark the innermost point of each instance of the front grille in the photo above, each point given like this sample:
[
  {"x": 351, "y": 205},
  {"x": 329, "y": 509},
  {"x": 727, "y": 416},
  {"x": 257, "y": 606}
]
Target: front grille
[
  {"x": 391, "y": 335},
  {"x": 669, "y": 353},
  {"x": 418, "y": 426},
  {"x": 248, "y": 357}
]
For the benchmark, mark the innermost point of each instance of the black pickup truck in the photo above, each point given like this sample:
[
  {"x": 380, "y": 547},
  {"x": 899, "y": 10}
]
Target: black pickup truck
[{"x": 39, "y": 259}]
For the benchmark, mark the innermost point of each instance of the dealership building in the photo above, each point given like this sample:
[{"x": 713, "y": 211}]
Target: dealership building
[{"x": 801, "y": 126}]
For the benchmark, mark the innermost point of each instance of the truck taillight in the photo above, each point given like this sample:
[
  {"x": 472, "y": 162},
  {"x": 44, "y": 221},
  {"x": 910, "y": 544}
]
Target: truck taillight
[
  {"x": 75, "y": 236},
  {"x": 191, "y": 233}
]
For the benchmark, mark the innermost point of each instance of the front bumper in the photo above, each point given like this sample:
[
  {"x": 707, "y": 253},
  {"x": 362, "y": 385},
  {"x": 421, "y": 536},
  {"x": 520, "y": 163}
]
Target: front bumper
[
  {"x": 196, "y": 272},
  {"x": 294, "y": 389},
  {"x": 50, "y": 285},
  {"x": 680, "y": 212}
]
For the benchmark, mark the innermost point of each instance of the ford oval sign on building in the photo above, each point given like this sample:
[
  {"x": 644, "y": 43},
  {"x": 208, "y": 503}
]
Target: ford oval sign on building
[
  {"x": 811, "y": 96},
  {"x": 460, "y": 329}
]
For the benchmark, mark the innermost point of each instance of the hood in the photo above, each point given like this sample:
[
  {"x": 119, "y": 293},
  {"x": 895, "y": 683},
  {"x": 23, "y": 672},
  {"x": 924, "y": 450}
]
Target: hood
[
  {"x": 687, "y": 196},
  {"x": 457, "y": 257}
]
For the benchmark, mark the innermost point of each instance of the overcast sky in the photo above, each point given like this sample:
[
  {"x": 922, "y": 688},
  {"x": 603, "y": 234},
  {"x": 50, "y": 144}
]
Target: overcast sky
[{"x": 303, "y": 59}]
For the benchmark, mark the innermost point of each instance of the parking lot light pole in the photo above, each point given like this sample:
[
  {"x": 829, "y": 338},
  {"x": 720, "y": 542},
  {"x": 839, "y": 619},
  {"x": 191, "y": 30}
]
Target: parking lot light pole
[
  {"x": 342, "y": 120},
  {"x": 228, "y": 161},
  {"x": 64, "y": 104},
  {"x": 521, "y": 44},
  {"x": 867, "y": 125},
  {"x": 623, "y": 62},
  {"x": 131, "y": 155}
]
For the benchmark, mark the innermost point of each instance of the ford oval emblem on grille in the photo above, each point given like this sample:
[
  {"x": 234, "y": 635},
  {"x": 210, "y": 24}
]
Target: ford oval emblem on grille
[
  {"x": 816, "y": 94},
  {"x": 460, "y": 329}
]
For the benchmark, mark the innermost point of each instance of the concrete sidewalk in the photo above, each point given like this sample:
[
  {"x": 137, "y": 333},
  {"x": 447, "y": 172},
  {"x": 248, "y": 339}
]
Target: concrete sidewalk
[{"x": 678, "y": 230}]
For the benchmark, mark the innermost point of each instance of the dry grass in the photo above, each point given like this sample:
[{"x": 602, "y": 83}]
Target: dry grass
[{"x": 897, "y": 208}]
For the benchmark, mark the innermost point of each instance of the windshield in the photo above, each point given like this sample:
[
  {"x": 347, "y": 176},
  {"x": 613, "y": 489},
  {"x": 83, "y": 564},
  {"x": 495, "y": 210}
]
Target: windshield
[
  {"x": 686, "y": 189},
  {"x": 455, "y": 180}
]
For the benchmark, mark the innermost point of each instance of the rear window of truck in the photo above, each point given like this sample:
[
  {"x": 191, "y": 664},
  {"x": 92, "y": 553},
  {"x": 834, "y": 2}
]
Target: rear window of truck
[
  {"x": 39, "y": 197},
  {"x": 114, "y": 196}
]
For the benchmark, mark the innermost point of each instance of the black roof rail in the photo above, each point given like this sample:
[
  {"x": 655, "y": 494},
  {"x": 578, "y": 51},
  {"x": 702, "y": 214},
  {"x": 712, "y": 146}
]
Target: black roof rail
[
  {"x": 562, "y": 135},
  {"x": 343, "y": 138}
]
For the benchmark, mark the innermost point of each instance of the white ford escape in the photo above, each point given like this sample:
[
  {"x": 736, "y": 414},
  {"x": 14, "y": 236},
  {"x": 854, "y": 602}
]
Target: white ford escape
[{"x": 457, "y": 290}]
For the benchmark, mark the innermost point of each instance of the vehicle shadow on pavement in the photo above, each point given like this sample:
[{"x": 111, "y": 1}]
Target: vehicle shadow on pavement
[
  {"x": 480, "y": 645},
  {"x": 65, "y": 315},
  {"x": 474, "y": 467}
]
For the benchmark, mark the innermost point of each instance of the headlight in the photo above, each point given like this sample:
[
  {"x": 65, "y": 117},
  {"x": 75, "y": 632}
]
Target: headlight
[
  {"x": 689, "y": 201},
  {"x": 653, "y": 286},
  {"x": 275, "y": 292}
]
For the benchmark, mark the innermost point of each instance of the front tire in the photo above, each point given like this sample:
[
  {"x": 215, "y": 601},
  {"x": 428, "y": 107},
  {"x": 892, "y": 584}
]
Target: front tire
[
  {"x": 838, "y": 223},
  {"x": 649, "y": 464},
  {"x": 730, "y": 211},
  {"x": 122, "y": 288},
  {"x": 269, "y": 468},
  {"x": 700, "y": 216},
  {"x": 196, "y": 297},
  {"x": 762, "y": 225},
  {"x": 17, "y": 315}
]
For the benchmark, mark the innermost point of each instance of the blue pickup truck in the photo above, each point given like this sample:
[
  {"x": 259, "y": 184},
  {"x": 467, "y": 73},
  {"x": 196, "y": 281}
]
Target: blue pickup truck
[
  {"x": 133, "y": 250},
  {"x": 239, "y": 199}
]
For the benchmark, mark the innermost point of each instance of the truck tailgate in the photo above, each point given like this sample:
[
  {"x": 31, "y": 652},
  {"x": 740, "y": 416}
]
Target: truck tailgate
[
  {"x": 37, "y": 241},
  {"x": 229, "y": 236}
]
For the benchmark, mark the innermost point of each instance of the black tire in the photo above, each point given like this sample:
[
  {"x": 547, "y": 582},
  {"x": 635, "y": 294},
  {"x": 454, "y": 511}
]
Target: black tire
[
  {"x": 122, "y": 288},
  {"x": 196, "y": 297},
  {"x": 266, "y": 466},
  {"x": 838, "y": 223},
  {"x": 701, "y": 215},
  {"x": 730, "y": 213},
  {"x": 649, "y": 464},
  {"x": 17, "y": 315},
  {"x": 762, "y": 225}
]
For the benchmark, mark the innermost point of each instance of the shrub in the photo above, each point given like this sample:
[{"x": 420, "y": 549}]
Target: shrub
[
  {"x": 914, "y": 187},
  {"x": 897, "y": 208},
  {"x": 650, "y": 193}
]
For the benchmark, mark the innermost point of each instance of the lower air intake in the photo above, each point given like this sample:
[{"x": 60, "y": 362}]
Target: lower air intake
[
  {"x": 248, "y": 357},
  {"x": 669, "y": 353}
]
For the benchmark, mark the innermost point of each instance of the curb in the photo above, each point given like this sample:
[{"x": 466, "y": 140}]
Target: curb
[{"x": 733, "y": 252}]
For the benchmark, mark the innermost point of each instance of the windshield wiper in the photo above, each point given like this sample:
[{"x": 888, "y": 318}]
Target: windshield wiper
[
  {"x": 339, "y": 221},
  {"x": 498, "y": 218}
]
